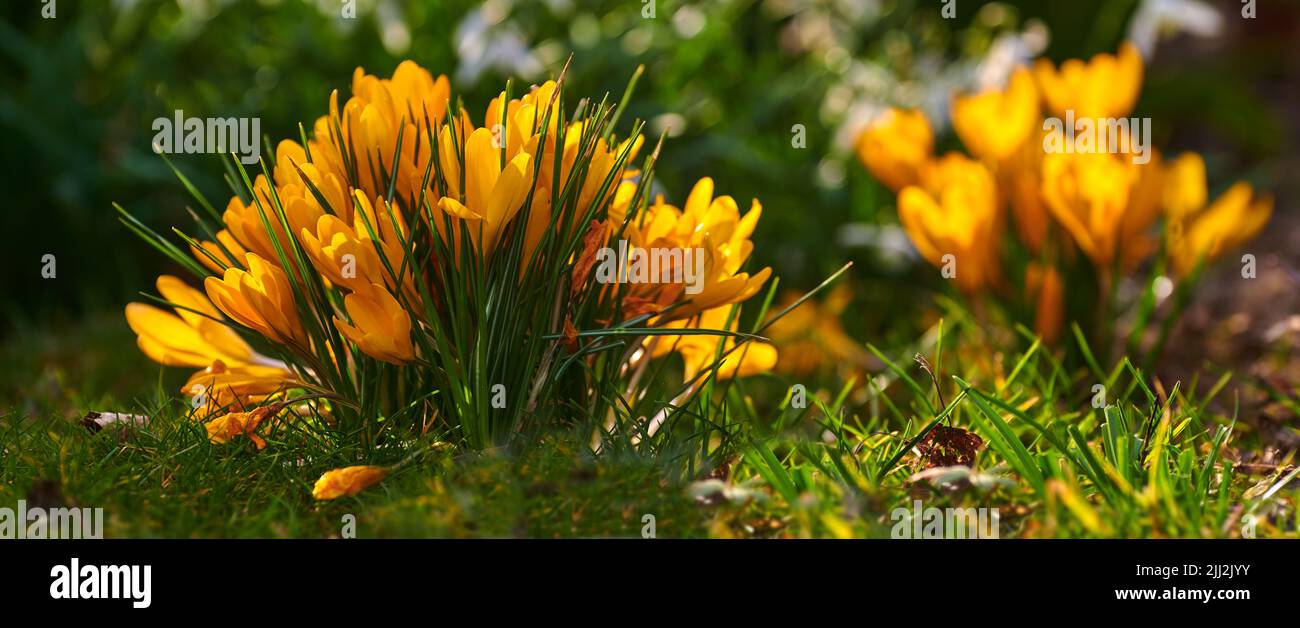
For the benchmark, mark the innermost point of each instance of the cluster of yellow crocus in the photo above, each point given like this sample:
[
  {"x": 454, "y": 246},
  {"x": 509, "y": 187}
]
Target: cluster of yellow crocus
[
  {"x": 331, "y": 197},
  {"x": 321, "y": 259},
  {"x": 513, "y": 132},
  {"x": 1103, "y": 204}
]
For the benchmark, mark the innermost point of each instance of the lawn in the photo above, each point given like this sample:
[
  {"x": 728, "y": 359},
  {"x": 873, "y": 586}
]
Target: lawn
[{"x": 827, "y": 470}]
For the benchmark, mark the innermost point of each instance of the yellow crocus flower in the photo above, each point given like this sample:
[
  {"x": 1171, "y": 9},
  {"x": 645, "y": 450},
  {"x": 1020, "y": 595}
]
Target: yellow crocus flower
[
  {"x": 1185, "y": 192},
  {"x": 954, "y": 220},
  {"x": 369, "y": 122},
  {"x": 1020, "y": 180},
  {"x": 521, "y": 119},
  {"x": 378, "y": 110},
  {"x": 233, "y": 373},
  {"x": 492, "y": 194},
  {"x": 1202, "y": 232},
  {"x": 244, "y": 221},
  {"x": 705, "y": 225},
  {"x": 895, "y": 147},
  {"x": 600, "y": 162},
  {"x": 384, "y": 221},
  {"x": 600, "y": 168},
  {"x": 1088, "y": 193},
  {"x": 995, "y": 124},
  {"x": 260, "y": 299},
  {"x": 1136, "y": 240},
  {"x": 347, "y": 481},
  {"x": 812, "y": 336},
  {"x": 340, "y": 255},
  {"x": 194, "y": 336},
  {"x": 624, "y": 195},
  {"x": 1106, "y": 86},
  {"x": 381, "y": 327},
  {"x": 301, "y": 207}
]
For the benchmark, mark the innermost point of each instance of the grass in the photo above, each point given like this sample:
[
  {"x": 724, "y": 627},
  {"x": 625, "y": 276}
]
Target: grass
[{"x": 1157, "y": 460}]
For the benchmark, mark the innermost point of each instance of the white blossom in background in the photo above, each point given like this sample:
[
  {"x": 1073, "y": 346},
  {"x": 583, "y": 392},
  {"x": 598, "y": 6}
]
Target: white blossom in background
[
  {"x": 393, "y": 31},
  {"x": 1157, "y": 19},
  {"x": 892, "y": 246},
  {"x": 488, "y": 40},
  {"x": 1009, "y": 51}
]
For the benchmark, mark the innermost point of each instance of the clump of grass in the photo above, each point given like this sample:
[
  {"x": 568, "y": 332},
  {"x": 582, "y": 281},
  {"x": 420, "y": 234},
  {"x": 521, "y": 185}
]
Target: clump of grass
[{"x": 1062, "y": 458}]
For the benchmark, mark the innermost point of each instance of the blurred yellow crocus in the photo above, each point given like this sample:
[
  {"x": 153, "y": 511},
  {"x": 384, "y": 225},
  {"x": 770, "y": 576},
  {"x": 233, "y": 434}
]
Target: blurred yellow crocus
[
  {"x": 347, "y": 481},
  {"x": 811, "y": 336},
  {"x": 1088, "y": 193},
  {"x": 1106, "y": 86},
  {"x": 1198, "y": 232},
  {"x": 1136, "y": 240},
  {"x": 381, "y": 327},
  {"x": 995, "y": 124},
  {"x": 895, "y": 146},
  {"x": 954, "y": 220},
  {"x": 1185, "y": 191},
  {"x": 1020, "y": 180},
  {"x": 260, "y": 298}
]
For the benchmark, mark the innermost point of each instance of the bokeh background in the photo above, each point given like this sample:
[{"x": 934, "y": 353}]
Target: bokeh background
[{"x": 728, "y": 80}]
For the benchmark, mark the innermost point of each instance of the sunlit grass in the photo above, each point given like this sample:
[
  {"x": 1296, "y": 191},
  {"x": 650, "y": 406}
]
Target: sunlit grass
[{"x": 1159, "y": 459}]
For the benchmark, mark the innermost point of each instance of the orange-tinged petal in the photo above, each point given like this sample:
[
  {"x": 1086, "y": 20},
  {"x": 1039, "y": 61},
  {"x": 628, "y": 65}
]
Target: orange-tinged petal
[{"x": 347, "y": 481}]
